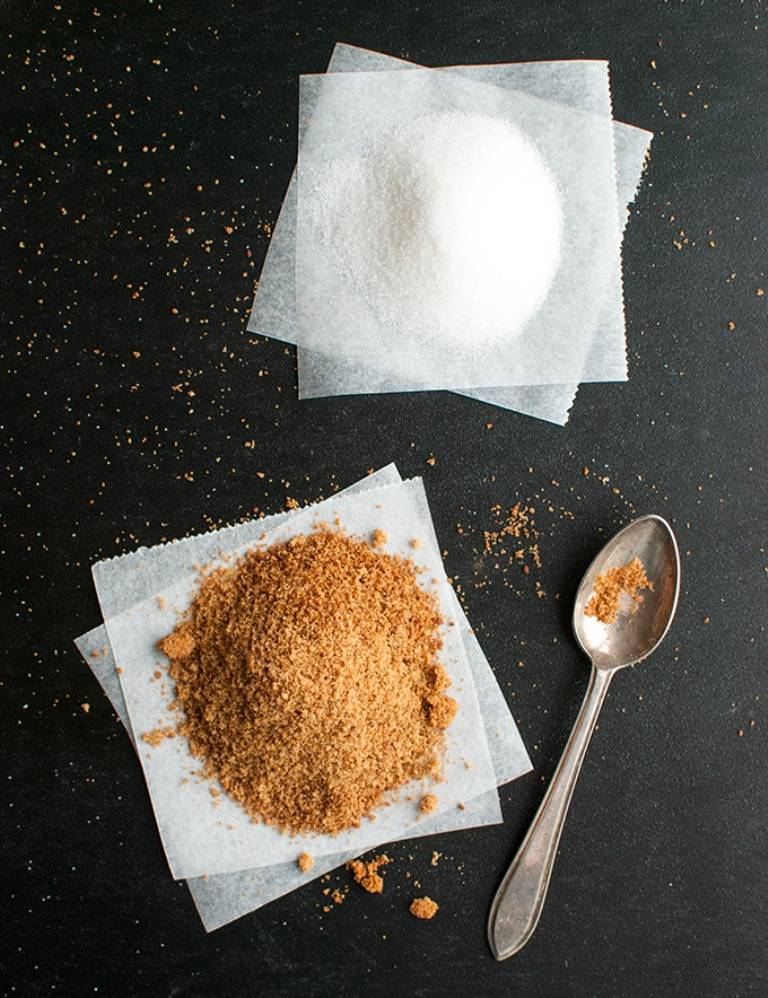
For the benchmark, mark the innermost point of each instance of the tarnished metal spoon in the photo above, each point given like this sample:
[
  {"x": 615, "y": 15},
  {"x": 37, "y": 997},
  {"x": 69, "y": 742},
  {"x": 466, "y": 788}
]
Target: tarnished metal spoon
[{"x": 635, "y": 634}]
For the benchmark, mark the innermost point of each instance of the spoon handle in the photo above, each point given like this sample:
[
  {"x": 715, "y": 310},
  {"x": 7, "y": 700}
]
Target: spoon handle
[{"x": 520, "y": 898}]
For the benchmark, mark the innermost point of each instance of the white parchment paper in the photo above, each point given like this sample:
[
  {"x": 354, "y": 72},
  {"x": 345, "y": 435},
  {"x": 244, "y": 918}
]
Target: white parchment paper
[
  {"x": 343, "y": 115},
  {"x": 204, "y": 835},
  {"x": 221, "y": 898},
  {"x": 578, "y": 83}
]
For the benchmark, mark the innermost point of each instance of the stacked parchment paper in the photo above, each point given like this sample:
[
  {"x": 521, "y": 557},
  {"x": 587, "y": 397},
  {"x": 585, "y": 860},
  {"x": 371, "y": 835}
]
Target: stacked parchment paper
[
  {"x": 233, "y": 866},
  {"x": 576, "y": 335}
]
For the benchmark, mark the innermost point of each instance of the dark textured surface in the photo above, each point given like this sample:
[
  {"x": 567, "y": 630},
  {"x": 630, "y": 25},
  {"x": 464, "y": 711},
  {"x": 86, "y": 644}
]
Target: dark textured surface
[{"x": 133, "y": 134}]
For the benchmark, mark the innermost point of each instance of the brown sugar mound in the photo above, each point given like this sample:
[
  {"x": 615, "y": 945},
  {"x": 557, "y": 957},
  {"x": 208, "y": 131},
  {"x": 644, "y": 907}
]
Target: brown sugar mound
[
  {"x": 423, "y": 907},
  {"x": 367, "y": 873},
  {"x": 308, "y": 677},
  {"x": 629, "y": 579}
]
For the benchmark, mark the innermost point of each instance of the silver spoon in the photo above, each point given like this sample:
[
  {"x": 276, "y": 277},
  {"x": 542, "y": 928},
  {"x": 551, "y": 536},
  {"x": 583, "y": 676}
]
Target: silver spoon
[{"x": 637, "y": 632}]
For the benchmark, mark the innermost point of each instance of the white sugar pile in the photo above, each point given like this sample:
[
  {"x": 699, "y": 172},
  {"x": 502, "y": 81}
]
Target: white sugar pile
[{"x": 449, "y": 227}]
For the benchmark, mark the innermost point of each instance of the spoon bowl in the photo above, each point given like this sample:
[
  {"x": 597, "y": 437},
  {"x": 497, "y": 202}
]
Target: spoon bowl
[{"x": 640, "y": 626}]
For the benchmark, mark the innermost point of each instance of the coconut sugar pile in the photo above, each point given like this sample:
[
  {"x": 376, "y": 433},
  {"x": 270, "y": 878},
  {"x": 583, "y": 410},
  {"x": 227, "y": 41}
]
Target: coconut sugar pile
[
  {"x": 629, "y": 579},
  {"x": 308, "y": 676}
]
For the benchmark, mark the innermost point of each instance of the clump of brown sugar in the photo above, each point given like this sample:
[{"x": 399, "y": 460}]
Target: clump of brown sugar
[
  {"x": 367, "y": 873},
  {"x": 441, "y": 710},
  {"x": 179, "y": 643},
  {"x": 629, "y": 579},
  {"x": 305, "y": 862},
  {"x": 379, "y": 538},
  {"x": 423, "y": 907},
  {"x": 428, "y": 804},
  {"x": 157, "y": 736},
  {"x": 308, "y": 677}
]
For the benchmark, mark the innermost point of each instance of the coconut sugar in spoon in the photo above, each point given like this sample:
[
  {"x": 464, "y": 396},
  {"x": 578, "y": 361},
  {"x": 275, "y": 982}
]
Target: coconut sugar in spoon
[{"x": 637, "y": 632}]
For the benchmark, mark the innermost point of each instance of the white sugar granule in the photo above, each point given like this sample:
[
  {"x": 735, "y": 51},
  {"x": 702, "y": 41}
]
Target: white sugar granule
[{"x": 449, "y": 227}]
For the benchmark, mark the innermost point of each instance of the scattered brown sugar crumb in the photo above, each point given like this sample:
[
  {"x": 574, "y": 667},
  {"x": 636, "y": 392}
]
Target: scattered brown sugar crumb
[
  {"x": 629, "y": 579},
  {"x": 337, "y": 895},
  {"x": 85, "y": 707},
  {"x": 305, "y": 862},
  {"x": 367, "y": 874},
  {"x": 432, "y": 460},
  {"x": 516, "y": 522},
  {"x": 379, "y": 538},
  {"x": 158, "y": 736},
  {"x": 436, "y": 856},
  {"x": 178, "y": 644},
  {"x": 428, "y": 804},
  {"x": 298, "y": 665},
  {"x": 513, "y": 538},
  {"x": 423, "y": 907},
  {"x": 415, "y": 543}
]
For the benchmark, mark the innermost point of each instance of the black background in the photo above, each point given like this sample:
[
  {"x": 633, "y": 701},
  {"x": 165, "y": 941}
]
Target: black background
[{"x": 661, "y": 885}]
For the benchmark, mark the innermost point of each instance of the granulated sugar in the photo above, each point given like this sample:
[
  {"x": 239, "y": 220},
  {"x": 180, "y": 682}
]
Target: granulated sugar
[
  {"x": 309, "y": 680},
  {"x": 449, "y": 227}
]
